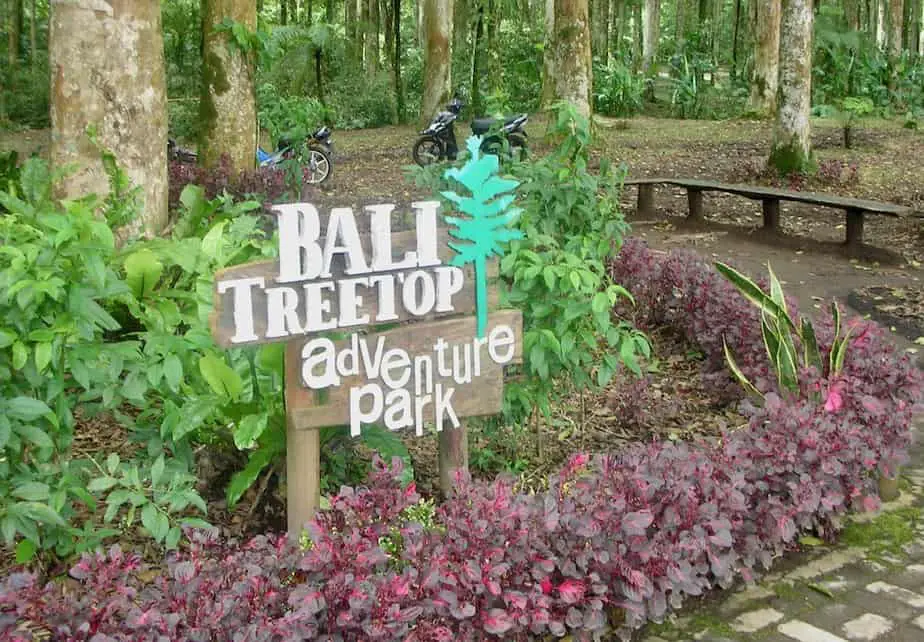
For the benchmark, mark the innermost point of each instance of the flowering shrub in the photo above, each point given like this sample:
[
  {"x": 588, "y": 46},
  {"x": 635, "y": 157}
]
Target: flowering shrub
[{"x": 615, "y": 540}]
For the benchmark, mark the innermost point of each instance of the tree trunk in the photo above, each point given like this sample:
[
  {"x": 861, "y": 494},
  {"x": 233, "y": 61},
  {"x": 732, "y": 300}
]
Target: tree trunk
[
  {"x": 896, "y": 19},
  {"x": 228, "y": 112},
  {"x": 573, "y": 70},
  {"x": 107, "y": 71},
  {"x": 734, "y": 69},
  {"x": 477, "y": 66},
  {"x": 14, "y": 31},
  {"x": 766, "y": 58},
  {"x": 421, "y": 31},
  {"x": 680, "y": 24},
  {"x": 388, "y": 20},
  {"x": 617, "y": 29},
  {"x": 33, "y": 47},
  {"x": 652, "y": 22},
  {"x": 852, "y": 14},
  {"x": 437, "y": 85},
  {"x": 283, "y": 11},
  {"x": 638, "y": 30},
  {"x": 548, "y": 56},
  {"x": 329, "y": 12},
  {"x": 601, "y": 30},
  {"x": 881, "y": 24},
  {"x": 792, "y": 144},
  {"x": 370, "y": 36},
  {"x": 399, "y": 87}
]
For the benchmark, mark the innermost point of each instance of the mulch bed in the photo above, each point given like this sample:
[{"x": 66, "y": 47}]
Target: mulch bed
[{"x": 900, "y": 309}]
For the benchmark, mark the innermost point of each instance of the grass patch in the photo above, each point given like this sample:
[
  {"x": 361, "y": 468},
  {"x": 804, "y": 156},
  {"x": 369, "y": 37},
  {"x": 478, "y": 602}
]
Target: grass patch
[
  {"x": 685, "y": 626},
  {"x": 884, "y": 535}
]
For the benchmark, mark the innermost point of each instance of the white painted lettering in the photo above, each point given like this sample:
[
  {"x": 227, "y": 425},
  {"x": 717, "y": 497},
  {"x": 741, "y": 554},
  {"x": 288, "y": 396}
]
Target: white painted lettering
[{"x": 242, "y": 306}]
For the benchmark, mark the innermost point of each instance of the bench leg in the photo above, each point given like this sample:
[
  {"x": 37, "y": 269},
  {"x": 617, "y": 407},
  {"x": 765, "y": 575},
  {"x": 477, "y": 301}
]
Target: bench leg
[
  {"x": 854, "y": 228},
  {"x": 695, "y": 202},
  {"x": 645, "y": 200},
  {"x": 771, "y": 215}
]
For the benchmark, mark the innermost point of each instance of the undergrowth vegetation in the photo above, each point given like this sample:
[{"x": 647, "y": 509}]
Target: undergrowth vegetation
[{"x": 615, "y": 541}]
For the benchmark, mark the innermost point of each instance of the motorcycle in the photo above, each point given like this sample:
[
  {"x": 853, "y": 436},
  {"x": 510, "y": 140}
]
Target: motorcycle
[
  {"x": 438, "y": 141},
  {"x": 181, "y": 154},
  {"x": 315, "y": 155}
]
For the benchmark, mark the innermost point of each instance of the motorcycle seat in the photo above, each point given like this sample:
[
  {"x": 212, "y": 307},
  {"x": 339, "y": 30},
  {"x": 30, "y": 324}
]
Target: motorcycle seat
[{"x": 483, "y": 125}]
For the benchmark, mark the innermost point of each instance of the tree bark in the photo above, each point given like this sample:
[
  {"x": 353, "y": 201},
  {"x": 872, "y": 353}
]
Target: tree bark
[
  {"x": 399, "y": 87},
  {"x": 638, "y": 29},
  {"x": 33, "y": 47},
  {"x": 896, "y": 20},
  {"x": 107, "y": 71},
  {"x": 852, "y": 14},
  {"x": 680, "y": 24},
  {"x": 228, "y": 110},
  {"x": 437, "y": 85},
  {"x": 370, "y": 36},
  {"x": 14, "y": 32},
  {"x": 766, "y": 58},
  {"x": 548, "y": 56},
  {"x": 792, "y": 145},
  {"x": 477, "y": 64},
  {"x": 573, "y": 69},
  {"x": 601, "y": 30},
  {"x": 881, "y": 13},
  {"x": 652, "y": 22},
  {"x": 618, "y": 13}
]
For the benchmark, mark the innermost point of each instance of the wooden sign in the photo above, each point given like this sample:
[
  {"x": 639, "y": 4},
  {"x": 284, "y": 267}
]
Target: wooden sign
[{"x": 338, "y": 275}]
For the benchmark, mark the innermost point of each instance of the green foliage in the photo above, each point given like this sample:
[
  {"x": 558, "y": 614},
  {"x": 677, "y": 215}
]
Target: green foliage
[
  {"x": 292, "y": 117},
  {"x": 618, "y": 90},
  {"x": 688, "y": 94},
  {"x": 791, "y": 347},
  {"x": 556, "y": 274}
]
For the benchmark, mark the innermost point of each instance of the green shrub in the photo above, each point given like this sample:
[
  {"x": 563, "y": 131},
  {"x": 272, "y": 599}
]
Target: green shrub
[{"x": 618, "y": 90}]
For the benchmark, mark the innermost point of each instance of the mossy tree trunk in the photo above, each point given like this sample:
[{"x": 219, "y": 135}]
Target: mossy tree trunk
[
  {"x": 228, "y": 110},
  {"x": 573, "y": 69},
  {"x": 766, "y": 58},
  {"x": 896, "y": 22},
  {"x": 437, "y": 31},
  {"x": 792, "y": 144},
  {"x": 107, "y": 72},
  {"x": 652, "y": 27},
  {"x": 14, "y": 32},
  {"x": 601, "y": 30},
  {"x": 548, "y": 56}
]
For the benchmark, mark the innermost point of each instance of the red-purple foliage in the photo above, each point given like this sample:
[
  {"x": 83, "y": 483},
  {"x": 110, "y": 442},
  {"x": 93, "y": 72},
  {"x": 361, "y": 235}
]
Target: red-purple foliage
[
  {"x": 268, "y": 183},
  {"x": 630, "y": 533}
]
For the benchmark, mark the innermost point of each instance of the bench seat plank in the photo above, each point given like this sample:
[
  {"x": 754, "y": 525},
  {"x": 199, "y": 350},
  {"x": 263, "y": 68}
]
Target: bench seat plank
[{"x": 760, "y": 193}]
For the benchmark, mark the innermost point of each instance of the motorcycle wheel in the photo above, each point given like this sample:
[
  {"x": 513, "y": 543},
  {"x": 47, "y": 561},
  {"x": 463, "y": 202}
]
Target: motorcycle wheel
[
  {"x": 517, "y": 148},
  {"x": 427, "y": 150},
  {"x": 317, "y": 166}
]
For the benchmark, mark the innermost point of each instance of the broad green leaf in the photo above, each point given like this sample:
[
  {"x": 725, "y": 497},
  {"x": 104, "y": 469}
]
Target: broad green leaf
[
  {"x": 27, "y": 408},
  {"x": 112, "y": 463},
  {"x": 220, "y": 377},
  {"x": 195, "y": 522},
  {"x": 42, "y": 356},
  {"x": 101, "y": 484},
  {"x": 211, "y": 243},
  {"x": 35, "y": 435},
  {"x": 244, "y": 479},
  {"x": 142, "y": 272},
  {"x": 786, "y": 366},
  {"x": 157, "y": 470},
  {"x": 42, "y": 513},
  {"x": 32, "y": 491},
  {"x": 248, "y": 430},
  {"x": 7, "y": 337},
  {"x": 771, "y": 339},
  {"x": 20, "y": 355},
  {"x": 173, "y": 371},
  {"x": 776, "y": 290},
  {"x": 173, "y": 538},
  {"x": 25, "y": 551}
]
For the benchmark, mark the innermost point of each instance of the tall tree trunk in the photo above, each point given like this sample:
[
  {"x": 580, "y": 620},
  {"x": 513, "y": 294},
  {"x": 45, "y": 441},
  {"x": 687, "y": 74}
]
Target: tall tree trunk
[
  {"x": 601, "y": 30},
  {"x": 766, "y": 58},
  {"x": 388, "y": 19},
  {"x": 896, "y": 20},
  {"x": 881, "y": 13},
  {"x": 14, "y": 31},
  {"x": 399, "y": 87},
  {"x": 734, "y": 69},
  {"x": 283, "y": 12},
  {"x": 437, "y": 85},
  {"x": 461, "y": 23},
  {"x": 107, "y": 70},
  {"x": 228, "y": 111},
  {"x": 638, "y": 29},
  {"x": 573, "y": 69},
  {"x": 33, "y": 47},
  {"x": 329, "y": 12},
  {"x": 680, "y": 27},
  {"x": 421, "y": 24},
  {"x": 852, "y": 14},
  {"x": 617, "y": 29},
  {"x": 477, "y": 62},
  {"x": 652, "y": 22},
  {"x": 548, "y": 56},
  {"x": 792, "y": 144},
  {"x": 370, "y": 37}
]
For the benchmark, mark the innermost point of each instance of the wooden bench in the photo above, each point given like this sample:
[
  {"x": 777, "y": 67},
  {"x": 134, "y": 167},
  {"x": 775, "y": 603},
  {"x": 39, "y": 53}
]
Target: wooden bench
[{"x": 770, "y": 197}]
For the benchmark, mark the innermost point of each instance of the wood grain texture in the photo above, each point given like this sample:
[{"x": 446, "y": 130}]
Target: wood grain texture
[
  {"x": 482, "y": 396},
  {"x": 222, "y": 319}
]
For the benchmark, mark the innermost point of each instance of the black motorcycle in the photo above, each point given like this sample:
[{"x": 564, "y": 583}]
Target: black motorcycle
[
  {"x": 438, "y": 141},
  {"x": 314, "y": 155},
  {"x": 180, "y": 154}
]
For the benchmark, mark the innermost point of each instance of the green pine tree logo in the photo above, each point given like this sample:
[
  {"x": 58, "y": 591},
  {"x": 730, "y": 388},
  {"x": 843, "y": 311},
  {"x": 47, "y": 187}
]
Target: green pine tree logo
[{"x": 484, "y": 228}]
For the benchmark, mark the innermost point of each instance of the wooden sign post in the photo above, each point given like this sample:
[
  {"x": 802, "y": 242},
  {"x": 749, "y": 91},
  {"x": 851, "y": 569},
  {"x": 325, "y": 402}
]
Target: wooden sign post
[{"x": 443, "y": 355}]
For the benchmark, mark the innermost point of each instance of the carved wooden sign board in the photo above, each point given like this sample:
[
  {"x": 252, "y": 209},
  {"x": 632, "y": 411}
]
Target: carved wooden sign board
[{"x": 383, "y": 327}]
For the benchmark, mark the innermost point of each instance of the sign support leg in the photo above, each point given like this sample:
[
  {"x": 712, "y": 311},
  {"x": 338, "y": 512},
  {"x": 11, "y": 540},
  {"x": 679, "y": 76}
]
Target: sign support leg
[
  {"x": 453, "y": 455},
  {"x": 303, "y": 453}
]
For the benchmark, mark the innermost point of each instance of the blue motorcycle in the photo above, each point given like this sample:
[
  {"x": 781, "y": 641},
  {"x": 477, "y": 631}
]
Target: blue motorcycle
[{"x": 314, "y": 155}]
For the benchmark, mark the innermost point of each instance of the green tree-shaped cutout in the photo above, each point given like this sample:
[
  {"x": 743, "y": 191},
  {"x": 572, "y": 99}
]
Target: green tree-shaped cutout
[{"x": 484, "y": 228}]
